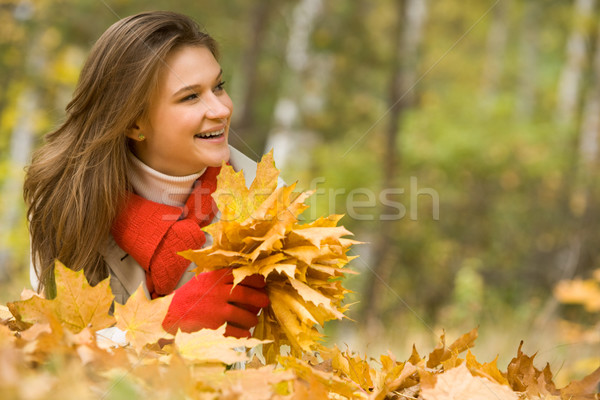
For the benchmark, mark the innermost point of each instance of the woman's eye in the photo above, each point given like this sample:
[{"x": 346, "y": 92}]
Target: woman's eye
[
  {"x": 220, "y": 86},
  {"x": 192, "y": 96}
]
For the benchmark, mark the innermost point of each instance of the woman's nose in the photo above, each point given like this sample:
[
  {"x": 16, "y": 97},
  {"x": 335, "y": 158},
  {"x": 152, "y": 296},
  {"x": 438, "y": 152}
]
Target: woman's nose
[{"x": 216, "y": 108}]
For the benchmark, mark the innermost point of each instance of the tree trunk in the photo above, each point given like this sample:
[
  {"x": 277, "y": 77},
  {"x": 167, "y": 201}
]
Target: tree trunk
[
  {"x": 285, "y": 136},
  {"x": 528, "y": 54},
  {"x": 569, "y": 105},
  {"x": 582, "y": 249},
  {"x": 411, "y": 16},
  {"x": 245, "y": 122},
  {"x": 569, "y": 86},
  {"x": 495, "y": 50},
  {"x": 587, "y": 181},
  {"x": 588, "y": 143},
  {"x": 21, "y": 145},
  {"x": 581, "y": 176}
]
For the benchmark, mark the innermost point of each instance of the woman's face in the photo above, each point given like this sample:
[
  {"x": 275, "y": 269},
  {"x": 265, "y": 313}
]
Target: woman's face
[{"x": 188, "y": 117}]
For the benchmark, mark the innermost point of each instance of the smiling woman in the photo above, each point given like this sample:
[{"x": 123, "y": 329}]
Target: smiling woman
[{"x": 125, "y": 183}]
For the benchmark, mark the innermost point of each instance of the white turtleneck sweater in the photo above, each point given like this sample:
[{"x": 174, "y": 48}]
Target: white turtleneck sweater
[{"x": 158, "y": 187}]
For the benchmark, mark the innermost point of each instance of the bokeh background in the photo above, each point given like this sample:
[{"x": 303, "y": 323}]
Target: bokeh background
[{"x": 459, "y": 137}]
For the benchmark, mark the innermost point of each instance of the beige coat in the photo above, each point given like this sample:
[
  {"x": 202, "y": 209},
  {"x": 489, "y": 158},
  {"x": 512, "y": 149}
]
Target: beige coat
[{"x": 126, "y": 274}]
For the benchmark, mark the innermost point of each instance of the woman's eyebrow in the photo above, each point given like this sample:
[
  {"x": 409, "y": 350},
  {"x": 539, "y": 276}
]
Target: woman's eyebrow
[{"x": 193, "y": 88}]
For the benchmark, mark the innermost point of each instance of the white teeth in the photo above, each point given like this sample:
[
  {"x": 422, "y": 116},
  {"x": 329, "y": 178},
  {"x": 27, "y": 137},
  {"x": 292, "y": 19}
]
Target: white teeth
[{"x": 211, "y": 134}]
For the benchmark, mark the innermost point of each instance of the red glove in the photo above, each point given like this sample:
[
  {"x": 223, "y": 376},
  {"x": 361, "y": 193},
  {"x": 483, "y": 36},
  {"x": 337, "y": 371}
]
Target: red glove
[{"x": 207, "y": 301}]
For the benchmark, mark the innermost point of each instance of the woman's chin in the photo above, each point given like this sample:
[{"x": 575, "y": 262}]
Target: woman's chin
[{"x": 218, "y": 160}]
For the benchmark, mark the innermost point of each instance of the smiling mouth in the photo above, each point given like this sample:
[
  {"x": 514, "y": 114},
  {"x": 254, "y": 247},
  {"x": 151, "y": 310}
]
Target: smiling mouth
[{"x": 211, "y": 135}]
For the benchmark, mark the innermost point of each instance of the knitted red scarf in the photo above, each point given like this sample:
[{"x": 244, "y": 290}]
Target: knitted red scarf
[{"x": 153, "y": 233}]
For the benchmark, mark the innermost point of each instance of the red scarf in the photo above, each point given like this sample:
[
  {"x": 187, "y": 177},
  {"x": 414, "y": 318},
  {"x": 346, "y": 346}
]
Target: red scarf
[{"x": 153, "y": 233}]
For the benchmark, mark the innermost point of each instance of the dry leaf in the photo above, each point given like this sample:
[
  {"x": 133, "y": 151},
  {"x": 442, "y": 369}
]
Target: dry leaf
[
  {"x": 212, "y": 346},
  {"x": 585, "y": 389},
  {"x": 393, "y": 376},
  {"x": 310, "y": 389},
  {"x": 353, "y": 367},
  {"x": 30, "y": 310},
  {"x": 77, "y": 304},
  {"x": 142, "y": 318},
  {"x": 306, "y": 372},
  {"x": 487, "y": 370},
  {"x": 459, "y": 384},
  {"x": 523, "y": 376},
  {"x": 256, "y": 384},
  {"x": 441, "y": 353}
]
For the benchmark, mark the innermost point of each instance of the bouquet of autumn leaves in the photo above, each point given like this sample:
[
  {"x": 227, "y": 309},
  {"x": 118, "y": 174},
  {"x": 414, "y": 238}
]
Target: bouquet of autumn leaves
[{"x": 258, "y": 232}]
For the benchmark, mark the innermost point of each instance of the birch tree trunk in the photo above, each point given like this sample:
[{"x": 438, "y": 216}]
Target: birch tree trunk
[
  {"x": 301, "y": 63},
  {"x": 590, "y": 127},
  {"x": 409, "y": 33},
  {"x": 495, "y": 49},
  {"x": 569, "y": 86},
  {"x": 578, "y": 182},
  {"x": 528, "y": 55},
  {"x": 245, "y": 121},
  {"x": 582, "y": 249},
  {"x": 21, "y": 145},
  {"x": 587, "y": 182}
]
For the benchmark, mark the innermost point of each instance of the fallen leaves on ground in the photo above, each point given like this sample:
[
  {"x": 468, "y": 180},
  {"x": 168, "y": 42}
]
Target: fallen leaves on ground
[
  {"x": 47, "y": 356},
  {"x": 458, "y": 383}
]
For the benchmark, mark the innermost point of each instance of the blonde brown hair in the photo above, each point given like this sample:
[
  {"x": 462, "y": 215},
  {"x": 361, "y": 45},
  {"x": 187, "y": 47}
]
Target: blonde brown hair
[{"x": 77, "y": 179}]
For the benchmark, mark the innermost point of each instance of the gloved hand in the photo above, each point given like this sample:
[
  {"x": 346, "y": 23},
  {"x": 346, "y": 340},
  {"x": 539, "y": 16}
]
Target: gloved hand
[{"x": 207, "y": 301}]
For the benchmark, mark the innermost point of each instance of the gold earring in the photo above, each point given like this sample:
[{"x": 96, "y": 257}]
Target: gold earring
[{"x": 141, "y": 137}]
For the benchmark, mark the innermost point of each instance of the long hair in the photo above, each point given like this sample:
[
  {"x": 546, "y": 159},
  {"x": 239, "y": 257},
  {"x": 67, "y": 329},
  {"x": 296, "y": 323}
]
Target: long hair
[{"x": 77, "y": 179}]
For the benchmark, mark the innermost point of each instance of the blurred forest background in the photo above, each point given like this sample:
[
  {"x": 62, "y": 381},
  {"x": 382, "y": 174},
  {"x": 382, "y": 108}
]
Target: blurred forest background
[{"x": 459, "y": 137}]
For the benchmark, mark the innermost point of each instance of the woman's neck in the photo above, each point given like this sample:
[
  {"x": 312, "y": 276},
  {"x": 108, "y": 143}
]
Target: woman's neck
[{"x": 158, "y": 187}]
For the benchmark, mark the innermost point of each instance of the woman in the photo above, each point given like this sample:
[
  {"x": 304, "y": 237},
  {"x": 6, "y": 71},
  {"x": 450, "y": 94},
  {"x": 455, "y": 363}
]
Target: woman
[{"x": 125, "y": 182}]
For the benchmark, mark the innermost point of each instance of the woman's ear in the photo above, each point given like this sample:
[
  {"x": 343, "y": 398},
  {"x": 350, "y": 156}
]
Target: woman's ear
[{"x": 135, "y": 132}]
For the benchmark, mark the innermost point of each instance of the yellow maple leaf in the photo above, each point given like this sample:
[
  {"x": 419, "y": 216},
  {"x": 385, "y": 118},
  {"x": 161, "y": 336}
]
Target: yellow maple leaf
[
  {"x": 235, "y": 201},
  {"x": 77, "y": 305},
  {"x": 442, "y": 353},
  {"x": 333, "y": 383},
  {"x": 30, "y": 309},
  {"x": 352, "y": 366},
  {"x": 231, "y": 197},
  {"x": 212, "y": 346},
  {"x": 142, "y": 318},
  {"x": 266, "y": 180},
  {"x": 486, "y": 370},
  {"x": 392, "y": 376}
]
